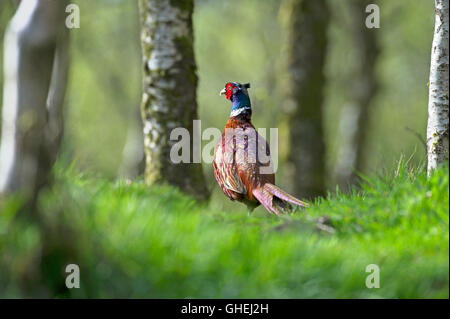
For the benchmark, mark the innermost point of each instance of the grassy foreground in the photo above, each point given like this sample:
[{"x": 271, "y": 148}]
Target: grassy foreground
[{"x": 133, "y": 241}]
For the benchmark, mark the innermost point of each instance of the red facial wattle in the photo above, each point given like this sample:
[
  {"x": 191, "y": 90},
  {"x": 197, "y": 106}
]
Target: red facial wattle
[{"x": 229, "y": 90}]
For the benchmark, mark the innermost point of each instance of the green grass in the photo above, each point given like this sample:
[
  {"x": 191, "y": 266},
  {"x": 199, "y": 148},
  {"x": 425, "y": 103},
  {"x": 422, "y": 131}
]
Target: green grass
[{"x": 133, "y": 241}]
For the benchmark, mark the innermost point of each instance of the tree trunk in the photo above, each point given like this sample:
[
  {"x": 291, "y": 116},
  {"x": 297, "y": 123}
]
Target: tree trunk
[
  {"x": 362, "y": 89},
  {"x": 169, "y": 91},
  {"x": 307, "y": 43},
  {"x": 133, "y": 157},
  {"x": 438, "y": 107},
  {"x": 35, "y": 69}
]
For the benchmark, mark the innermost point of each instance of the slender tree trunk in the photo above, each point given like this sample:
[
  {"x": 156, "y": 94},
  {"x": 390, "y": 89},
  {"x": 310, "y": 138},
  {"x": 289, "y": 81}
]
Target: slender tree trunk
[
  {"x": 36, "y": 62},
  {"x": 362, "y": 89},
  {"x": 169, "y": 91},
  {"x": 438, "y": 105},
  {"x": 307, "y": 44},
  {"x": 35, "y": 69},
  {"x": 133, "y": 157}
]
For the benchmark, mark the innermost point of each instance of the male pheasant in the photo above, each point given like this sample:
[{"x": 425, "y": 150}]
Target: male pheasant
[{"x": 242, "y": 163}]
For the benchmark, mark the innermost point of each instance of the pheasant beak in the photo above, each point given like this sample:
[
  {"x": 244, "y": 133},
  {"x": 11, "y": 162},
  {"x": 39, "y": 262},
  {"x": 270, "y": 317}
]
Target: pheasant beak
[{"x": 222, "y": 92}]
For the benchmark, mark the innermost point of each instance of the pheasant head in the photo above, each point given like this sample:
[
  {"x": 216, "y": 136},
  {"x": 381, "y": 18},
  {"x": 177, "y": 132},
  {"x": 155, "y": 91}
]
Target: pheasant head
[{"x": 237, "y": 94}]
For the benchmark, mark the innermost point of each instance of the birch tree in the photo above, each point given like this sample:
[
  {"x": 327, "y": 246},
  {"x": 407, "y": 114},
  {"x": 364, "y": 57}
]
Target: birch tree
[
  {"x": 307, "y": 44},
  {"x": 35, "y": 77},
  {"x": 169, "y": 91},
  {"x": 438, "y": 105}
]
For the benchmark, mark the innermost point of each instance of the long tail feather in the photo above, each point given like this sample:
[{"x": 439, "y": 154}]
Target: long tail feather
[
  {"x": 266, "y": 199},
  {"x": 276, "y": 200},
  {"x": 281, "y": 194}
]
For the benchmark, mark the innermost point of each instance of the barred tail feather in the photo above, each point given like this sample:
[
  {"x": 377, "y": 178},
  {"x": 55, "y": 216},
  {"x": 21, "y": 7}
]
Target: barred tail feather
[
  {"x": 266, "y": 199},
  {"x": 281, "y": 194},
  {"x": 275, "y": 200}
]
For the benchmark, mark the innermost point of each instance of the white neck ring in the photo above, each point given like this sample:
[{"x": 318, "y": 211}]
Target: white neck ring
[{"x": 239, "y": 111}]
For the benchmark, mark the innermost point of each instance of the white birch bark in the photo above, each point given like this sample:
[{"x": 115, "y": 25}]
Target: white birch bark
[
  {"x": 35, "y": 69},
  {"x": 169, "y": 97},
  {"x": 438, "y": 104}
]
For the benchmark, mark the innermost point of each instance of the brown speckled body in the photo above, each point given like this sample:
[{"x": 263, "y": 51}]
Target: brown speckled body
[{"x": 237, "y": 164}]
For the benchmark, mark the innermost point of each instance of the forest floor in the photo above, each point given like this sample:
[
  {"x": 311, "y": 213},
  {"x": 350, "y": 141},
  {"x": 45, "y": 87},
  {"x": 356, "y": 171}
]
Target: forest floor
[{"x": 131, "y": 241}]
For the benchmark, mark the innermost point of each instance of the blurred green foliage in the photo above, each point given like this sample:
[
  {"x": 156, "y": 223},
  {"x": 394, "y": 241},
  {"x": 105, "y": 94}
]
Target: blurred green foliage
[
  {"x": 242, "y": 41},
  {"x": 405, "y": 36},
  {"x": 133, "y": 241}
]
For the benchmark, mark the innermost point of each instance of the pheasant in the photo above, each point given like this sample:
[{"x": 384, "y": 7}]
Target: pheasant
[{"x": 242, "y": 163}]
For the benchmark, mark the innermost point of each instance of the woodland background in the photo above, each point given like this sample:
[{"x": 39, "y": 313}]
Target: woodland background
[{"x": 244, "y": 41}]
